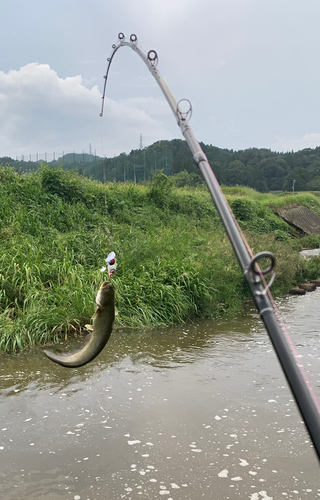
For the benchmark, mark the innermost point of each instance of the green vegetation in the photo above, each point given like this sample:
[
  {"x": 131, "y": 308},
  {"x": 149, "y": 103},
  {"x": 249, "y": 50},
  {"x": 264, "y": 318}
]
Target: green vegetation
[
  {"x": 261, "y": 169},
  {"x": 174, "y": 259}
]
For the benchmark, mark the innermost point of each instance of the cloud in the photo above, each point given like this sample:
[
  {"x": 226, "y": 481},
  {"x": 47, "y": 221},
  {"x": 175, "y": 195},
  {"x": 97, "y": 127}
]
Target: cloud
[
  {"x": 42, "y": 112},
  {"x": 307, "y": 141}
]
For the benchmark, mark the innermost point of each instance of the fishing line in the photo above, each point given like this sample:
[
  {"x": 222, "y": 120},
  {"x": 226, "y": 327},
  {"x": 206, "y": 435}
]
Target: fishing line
[
  {"x": 255, "y": 276},
  {"x": 102, "y": 139}
]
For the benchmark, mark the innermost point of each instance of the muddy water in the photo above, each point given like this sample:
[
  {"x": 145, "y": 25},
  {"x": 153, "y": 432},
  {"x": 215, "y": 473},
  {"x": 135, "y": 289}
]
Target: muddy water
[{"x": 199, "y": 411}]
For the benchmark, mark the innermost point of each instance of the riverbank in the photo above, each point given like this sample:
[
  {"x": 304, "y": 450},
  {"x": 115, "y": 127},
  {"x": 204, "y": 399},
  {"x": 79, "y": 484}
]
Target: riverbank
[{"x": 175, "y": 261}]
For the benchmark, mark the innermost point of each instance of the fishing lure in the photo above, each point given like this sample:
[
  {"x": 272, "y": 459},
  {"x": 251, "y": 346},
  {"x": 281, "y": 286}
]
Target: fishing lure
[{"x": 111, "y": 264}]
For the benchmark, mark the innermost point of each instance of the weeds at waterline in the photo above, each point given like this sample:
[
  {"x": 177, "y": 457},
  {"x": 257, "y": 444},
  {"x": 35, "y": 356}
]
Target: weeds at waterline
[{"x": 174, "y": 260}]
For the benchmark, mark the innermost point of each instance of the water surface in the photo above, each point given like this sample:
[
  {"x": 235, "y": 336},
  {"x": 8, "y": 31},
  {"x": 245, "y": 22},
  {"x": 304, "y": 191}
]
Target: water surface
[{"x": 197, "y": 411}]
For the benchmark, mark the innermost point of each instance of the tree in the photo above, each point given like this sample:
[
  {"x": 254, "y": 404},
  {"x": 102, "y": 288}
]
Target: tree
[
  {"x": 274, "y": 171},
  {"x": 301, "y": 176},
  {"x": 236, "y": 173},
  {"x": 314, "y": 184}
]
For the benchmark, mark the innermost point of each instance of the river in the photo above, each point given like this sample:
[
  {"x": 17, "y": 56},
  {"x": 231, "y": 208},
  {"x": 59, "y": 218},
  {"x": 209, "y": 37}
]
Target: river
[{"x": 196, "y": 411}]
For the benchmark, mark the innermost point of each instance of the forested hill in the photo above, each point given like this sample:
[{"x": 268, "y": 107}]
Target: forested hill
[{"x": 261, "y": 169}]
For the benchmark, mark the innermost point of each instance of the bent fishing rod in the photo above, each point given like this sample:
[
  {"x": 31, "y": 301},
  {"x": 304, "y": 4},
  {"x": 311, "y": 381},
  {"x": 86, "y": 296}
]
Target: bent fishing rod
[{"x": 301, "y": 389}]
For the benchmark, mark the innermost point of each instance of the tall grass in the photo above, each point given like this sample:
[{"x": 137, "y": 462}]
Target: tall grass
[{"x": 174, "y": 259}]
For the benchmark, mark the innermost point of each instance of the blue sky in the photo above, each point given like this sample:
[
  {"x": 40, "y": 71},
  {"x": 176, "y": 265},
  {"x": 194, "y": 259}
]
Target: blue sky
[{"x": 249, "y": 67}]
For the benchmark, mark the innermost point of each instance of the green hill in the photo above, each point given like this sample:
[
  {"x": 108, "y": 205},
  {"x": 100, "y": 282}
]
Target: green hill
[{"x": 261, "y": 169}]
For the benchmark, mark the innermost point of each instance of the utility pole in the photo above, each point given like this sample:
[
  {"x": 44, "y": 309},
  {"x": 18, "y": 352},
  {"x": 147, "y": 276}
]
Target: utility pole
[
  {"x": 144, "y": 165},
  {"x": 293, "y": 186},
  {"x": 141, "y": 141}
]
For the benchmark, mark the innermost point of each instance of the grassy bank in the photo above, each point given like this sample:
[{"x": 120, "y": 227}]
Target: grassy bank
[{"x": 174, "y": 259}]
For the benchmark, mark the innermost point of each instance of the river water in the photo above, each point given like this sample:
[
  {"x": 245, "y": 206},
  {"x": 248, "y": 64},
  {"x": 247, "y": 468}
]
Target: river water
[{"x": 198, "y": 411}]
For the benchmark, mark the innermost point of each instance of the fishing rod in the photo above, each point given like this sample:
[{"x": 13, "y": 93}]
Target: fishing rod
[{"x": 304, "y": 397}]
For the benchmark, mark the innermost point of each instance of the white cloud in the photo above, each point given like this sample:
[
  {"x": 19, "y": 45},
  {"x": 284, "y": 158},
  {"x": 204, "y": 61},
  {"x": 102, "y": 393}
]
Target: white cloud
[
  {"x": 42, "y": 112},
  {"x": 296, "y": 144}
]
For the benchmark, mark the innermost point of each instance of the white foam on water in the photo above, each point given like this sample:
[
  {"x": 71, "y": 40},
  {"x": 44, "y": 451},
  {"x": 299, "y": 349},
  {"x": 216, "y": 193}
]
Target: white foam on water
[
  {"x": 223, "y": 473},
  {"x": 136, "y": 441},
  {"x": 175, "y": 486},
  {"x": 265, "y": 496},
  {"x": 243, "y": 462},
  {"x": 217, "y": 417},
  {"x": 237, "y": 478}
]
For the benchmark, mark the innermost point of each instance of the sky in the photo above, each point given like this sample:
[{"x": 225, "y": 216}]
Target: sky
[{"x": 249, "y": 67}]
